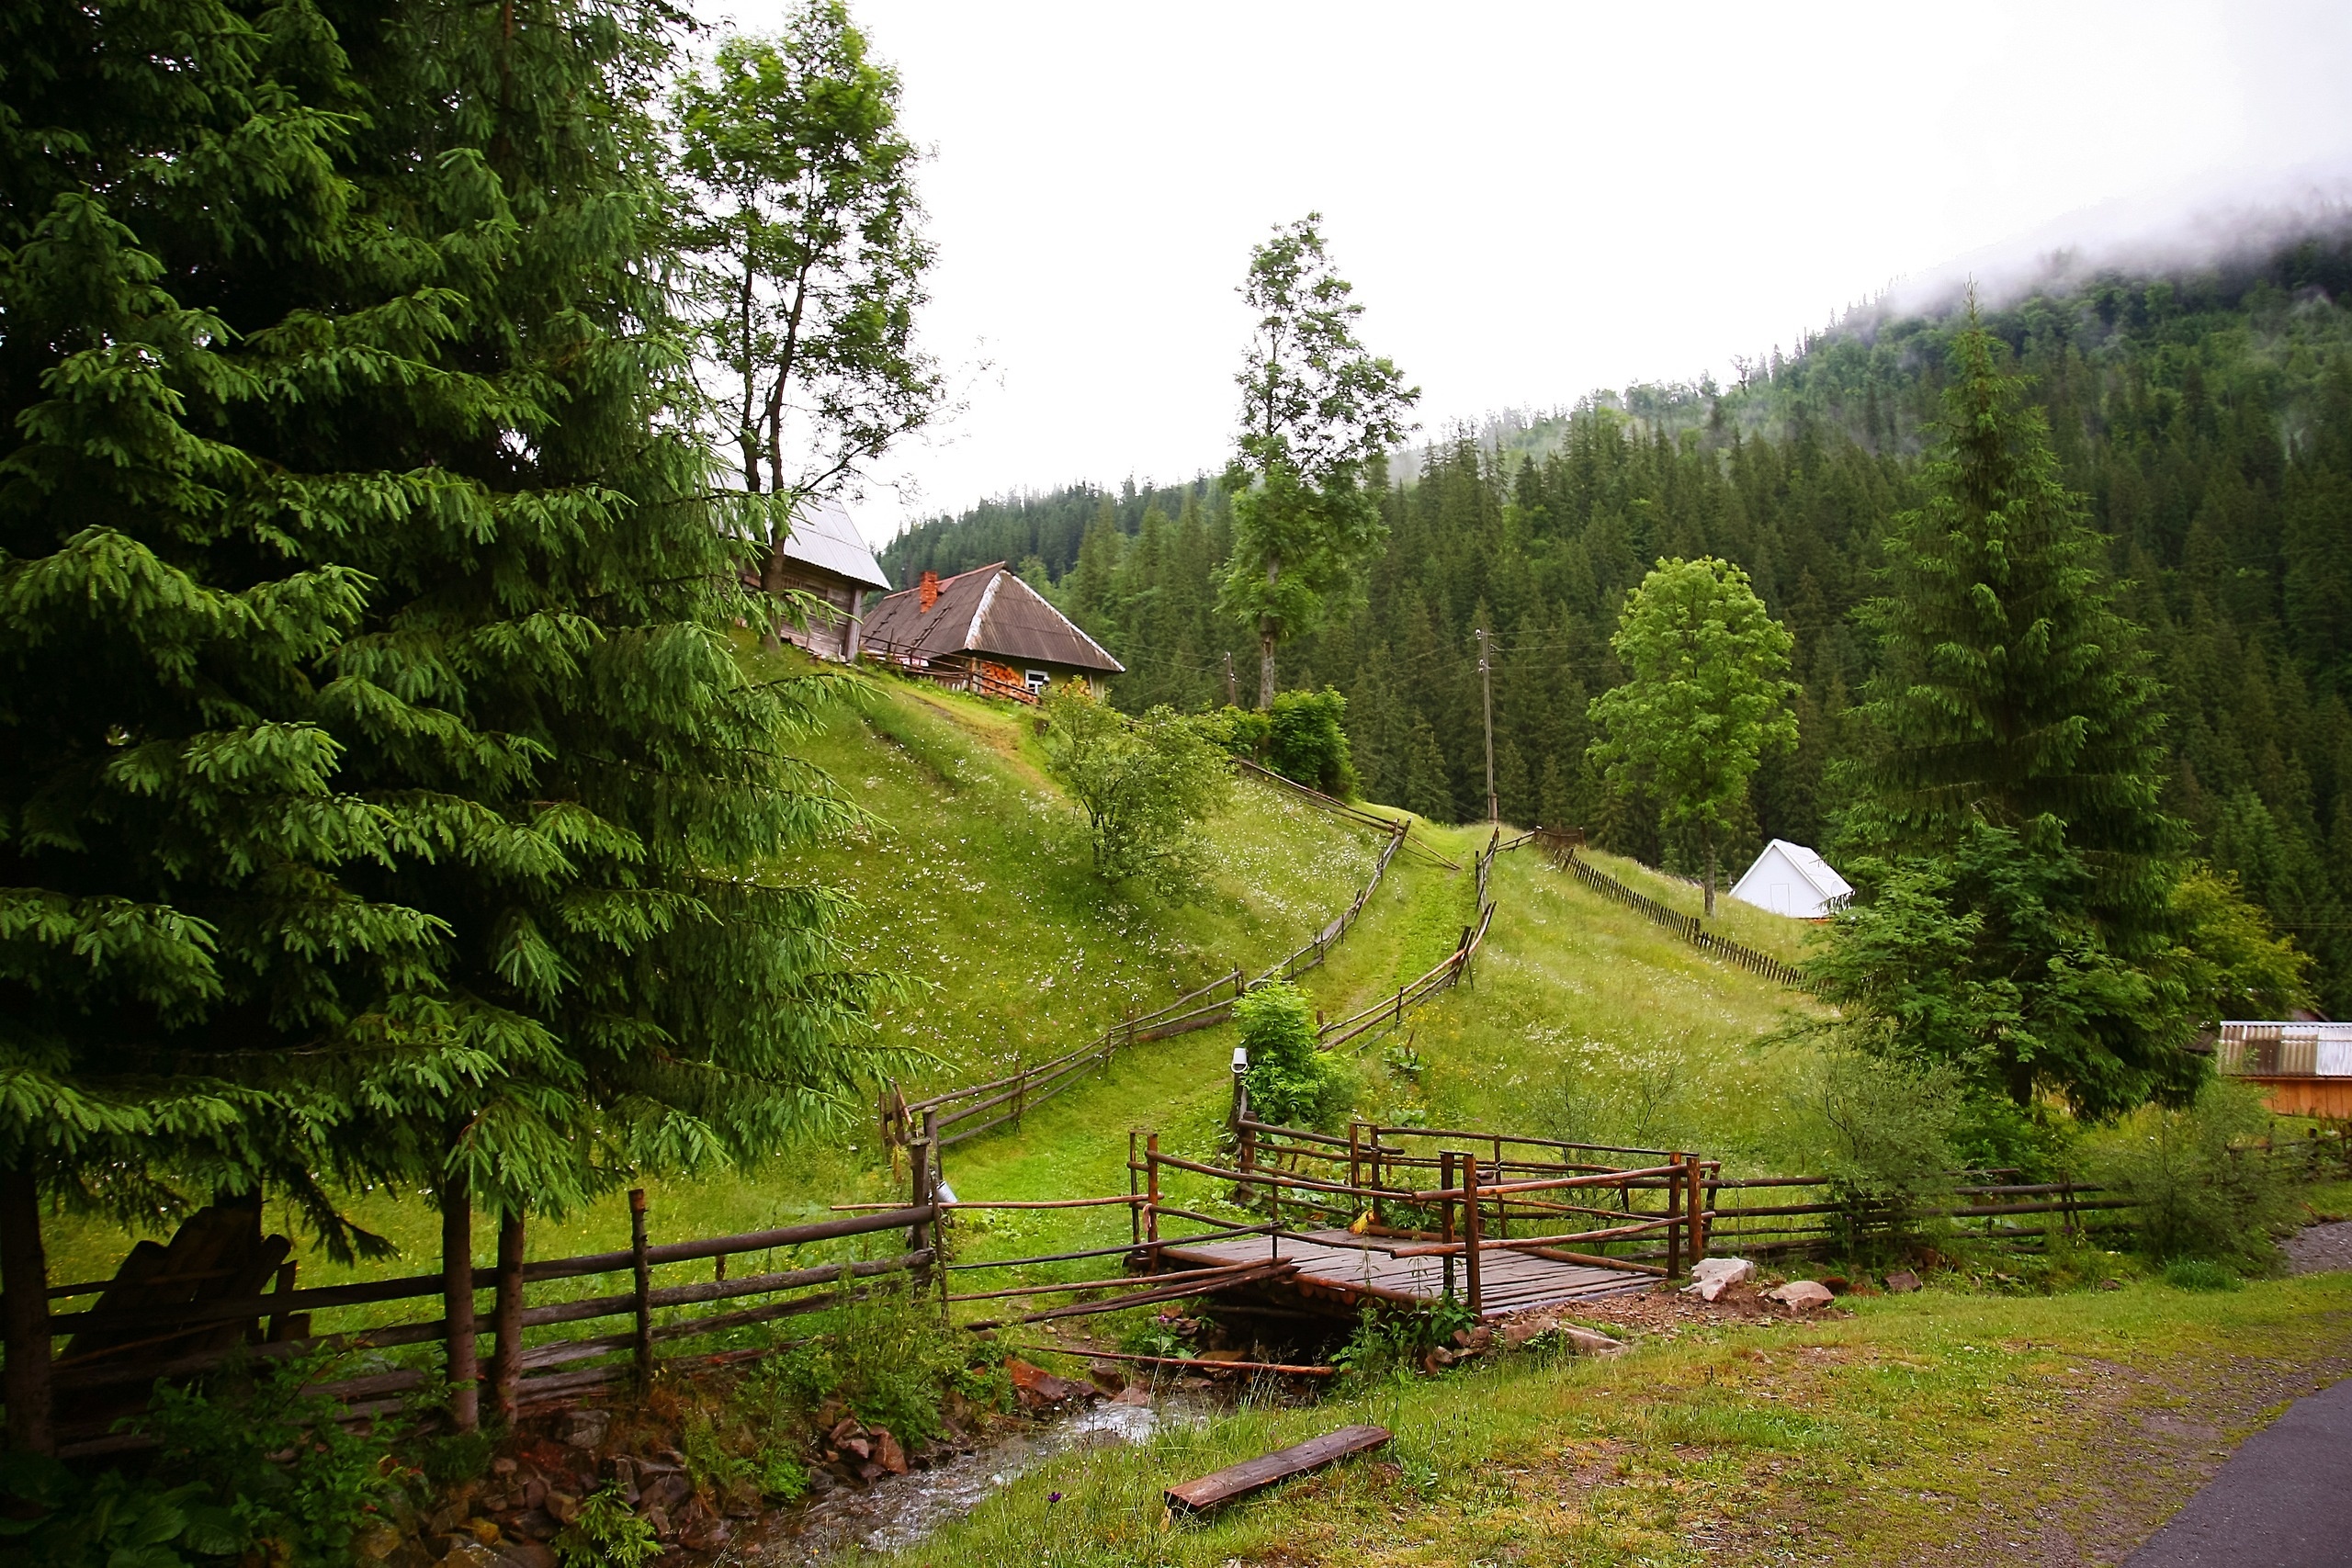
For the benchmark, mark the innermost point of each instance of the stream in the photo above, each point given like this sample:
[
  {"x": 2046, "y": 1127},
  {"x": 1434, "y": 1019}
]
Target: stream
[{"x": 900, "y": 1512}]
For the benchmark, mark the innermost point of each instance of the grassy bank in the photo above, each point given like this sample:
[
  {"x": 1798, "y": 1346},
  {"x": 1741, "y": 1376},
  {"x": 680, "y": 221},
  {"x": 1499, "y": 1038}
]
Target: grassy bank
[{"x": 1937, "y": 1427}]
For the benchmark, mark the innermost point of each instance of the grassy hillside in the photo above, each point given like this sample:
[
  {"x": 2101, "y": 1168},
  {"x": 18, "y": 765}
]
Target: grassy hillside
[
  {"x": 971, "y": 881},
  {"x": 1583, "y": 1021}
]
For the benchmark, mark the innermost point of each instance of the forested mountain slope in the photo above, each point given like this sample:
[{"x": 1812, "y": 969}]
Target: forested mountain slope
[{"x": 2207, "y": 417}]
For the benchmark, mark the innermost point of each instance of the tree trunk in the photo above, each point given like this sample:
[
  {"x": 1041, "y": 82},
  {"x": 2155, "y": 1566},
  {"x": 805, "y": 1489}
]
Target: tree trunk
[
  {"x": 1265, "y": 666},
  {"x": 1710, "y": 874},
  {"x": 457, "y": 1303},
  {"x": 24, "y": 1313},
  {"x": 506, "y": 1318},
  {"x": 772, "y": 584}
]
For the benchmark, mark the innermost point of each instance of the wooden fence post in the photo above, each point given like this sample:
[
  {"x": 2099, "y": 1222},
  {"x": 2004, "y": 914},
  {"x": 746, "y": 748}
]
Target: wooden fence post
[
  {"x": 24, "y": 1305},
  {"x": 462, "y": 1362},
  {"x": 1471, "y": 1233},
  {"x": 1355, "y": 1157},
  {"x": 1446, "y": 1213},
  {"x": 1676, "y": 1223},
  {"x": 919, "y": 1190},
  {"x": 506, "y": 1320},
  {"x": 1151, "y": 1196},
  {"x": 1135, "y": 1215},
  {"x": 642, "y": 1269},
  {"x": 1697, "y": 1210},
  {"x": 937, "y": 1268}
]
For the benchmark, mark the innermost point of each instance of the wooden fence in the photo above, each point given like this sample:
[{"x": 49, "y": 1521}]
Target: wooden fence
[
  {"x": 969, "y": 1111},
  {"x": 146, "y": 1325},
  {"x": 1688, "y": 926},
  {"x": 912, "y": 663}
]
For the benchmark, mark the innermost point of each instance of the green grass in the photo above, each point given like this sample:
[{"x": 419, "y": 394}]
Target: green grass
[
  {"x": 1584, "y": 1019},
  {"x": 1933, "y": 1427},
  {"x": 1778, "y": 935}
]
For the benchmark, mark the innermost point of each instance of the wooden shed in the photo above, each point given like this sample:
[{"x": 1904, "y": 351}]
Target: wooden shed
[
  {"x": 984, "y": 630},
  {"x": 827, "y": 557}
]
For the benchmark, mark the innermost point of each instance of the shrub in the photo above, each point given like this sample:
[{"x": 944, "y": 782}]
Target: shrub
[
  {"x": 1291, "y": 1081},
  {"x": 1305, "y": 743},
  {"x": 887, "y": 1356},
  {"x": 1242, "y": 732},
  {"x": 215, "y": 1489},
  {"x": 1145, "y": 783},
  {"x": 2198, "y": 1192},
  {"x": 607, "y": 1533}
]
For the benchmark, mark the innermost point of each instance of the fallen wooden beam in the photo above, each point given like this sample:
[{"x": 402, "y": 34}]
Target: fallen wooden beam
[{"x": 1240, "y": 1480}]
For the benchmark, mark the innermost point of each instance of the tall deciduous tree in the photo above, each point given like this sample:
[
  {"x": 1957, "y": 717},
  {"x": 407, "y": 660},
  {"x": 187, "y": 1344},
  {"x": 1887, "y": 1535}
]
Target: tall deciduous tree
[
  {"x": 1707, "y": 696},
  {"x": 1317, "y": 414},
  {"x": 809, "y": 228},
  {"x": 386, "y": 800},
  {"x": 2012, "y": 773}
]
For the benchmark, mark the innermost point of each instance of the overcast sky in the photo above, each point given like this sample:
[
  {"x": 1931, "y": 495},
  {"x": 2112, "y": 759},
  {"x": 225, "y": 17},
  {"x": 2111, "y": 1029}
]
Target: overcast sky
[{"x": 1533, "y": 200}]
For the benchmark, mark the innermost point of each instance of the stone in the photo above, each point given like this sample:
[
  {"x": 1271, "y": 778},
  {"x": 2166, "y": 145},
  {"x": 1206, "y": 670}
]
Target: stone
[
  {"x": 586, "y": 1429},
  {"x": 1107, "y": 1377},
  {"x": 562, "y": 1506},
  {"x": 821, "y": 1480},
  {"x": 1133, "y": 1393},
  {"x": 482, "y": 1530},
  {"x": 1039, "y": 1389},
  {"x": 1902, "y": 1282},
  {"x": 502, "y": 1465},
  {"x": 1801, "y": 1296},
  {"x": 1711, "y": 1277},
  {"x": 470, "y": 1554},
  {"x": 668, "y": 1491},
  {"x": 528, "y": 1554},
  {"x": 535, "y": 1524},
  {"x": 888, "y": 1453},
  {"x": 375, "y": 1543},
  {"x": 659, "y": 1518},
  {"x": 1588, "y": 1343}
]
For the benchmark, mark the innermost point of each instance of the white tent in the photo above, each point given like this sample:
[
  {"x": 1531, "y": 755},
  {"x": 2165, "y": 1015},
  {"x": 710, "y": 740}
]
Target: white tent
[{"x": 1789, "y": 879}]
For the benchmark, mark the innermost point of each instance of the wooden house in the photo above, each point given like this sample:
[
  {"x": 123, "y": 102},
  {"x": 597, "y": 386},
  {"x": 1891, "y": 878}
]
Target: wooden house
[
  {"x": 826, "y": 558},
  {"x": 984, "y": 630}
]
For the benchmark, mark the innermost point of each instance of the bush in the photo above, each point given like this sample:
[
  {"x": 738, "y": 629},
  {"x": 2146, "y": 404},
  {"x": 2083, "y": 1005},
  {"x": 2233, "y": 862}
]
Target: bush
[
  {"x": 1242, "y": 732},
  {"x": 1305, "y": 743},
  {"x": 2199, "y": 1192},
  {"x": 607, "y": 1533},
  {"x": 214, "y": 1491},
  {"x": 1291, "y": 1081},
  {"x": 1145, "y": 783},
  {"x": 887, "y": 1356}
]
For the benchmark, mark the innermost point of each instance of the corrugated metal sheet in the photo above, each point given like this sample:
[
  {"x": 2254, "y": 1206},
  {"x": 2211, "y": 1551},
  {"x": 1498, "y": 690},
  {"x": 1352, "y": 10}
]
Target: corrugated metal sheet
[
  {"x": 988, "y": 611},
  {"x": 824, "y": 537}
]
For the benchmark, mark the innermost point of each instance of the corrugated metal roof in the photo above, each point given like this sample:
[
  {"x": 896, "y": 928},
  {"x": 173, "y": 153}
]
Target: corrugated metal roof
[
  {"x": 824, "y": 537},
  {"x": 988, "y": 610}
]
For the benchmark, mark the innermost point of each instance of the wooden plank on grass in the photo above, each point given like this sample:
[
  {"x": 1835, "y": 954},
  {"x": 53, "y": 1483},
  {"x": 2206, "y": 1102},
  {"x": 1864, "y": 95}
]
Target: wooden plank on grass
[{"x": 1240, "y": 1480}]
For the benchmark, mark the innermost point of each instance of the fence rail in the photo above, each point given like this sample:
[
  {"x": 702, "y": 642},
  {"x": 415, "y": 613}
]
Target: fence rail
[{"x": 1688, "y": 926}]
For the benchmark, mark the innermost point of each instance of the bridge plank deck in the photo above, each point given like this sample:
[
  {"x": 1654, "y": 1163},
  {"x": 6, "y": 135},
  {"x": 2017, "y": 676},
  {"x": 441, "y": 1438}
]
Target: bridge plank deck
[{"x": 1352, "y": 1267}]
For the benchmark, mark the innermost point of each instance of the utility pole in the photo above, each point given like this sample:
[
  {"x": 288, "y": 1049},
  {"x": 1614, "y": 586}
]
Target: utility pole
[
  {"x": 1228, "y": 678},
  {"x": 1487, "y": 685}
]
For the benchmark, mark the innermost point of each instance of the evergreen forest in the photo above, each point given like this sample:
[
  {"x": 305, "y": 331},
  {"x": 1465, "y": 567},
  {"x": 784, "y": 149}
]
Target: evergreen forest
[{"x": 2205, "y": 415}]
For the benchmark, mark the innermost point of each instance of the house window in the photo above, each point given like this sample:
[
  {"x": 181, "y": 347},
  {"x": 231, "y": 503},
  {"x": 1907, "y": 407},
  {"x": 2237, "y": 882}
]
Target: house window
[{"x": 1039, "y": 679}]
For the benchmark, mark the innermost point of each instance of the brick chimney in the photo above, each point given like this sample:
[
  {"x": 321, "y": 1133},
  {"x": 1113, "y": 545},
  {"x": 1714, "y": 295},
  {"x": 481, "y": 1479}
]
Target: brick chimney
[{"x": 927, "y": 591}]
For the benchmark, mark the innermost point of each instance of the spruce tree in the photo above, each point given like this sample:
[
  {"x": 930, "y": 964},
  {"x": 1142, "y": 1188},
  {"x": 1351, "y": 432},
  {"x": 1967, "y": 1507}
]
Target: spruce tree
[
  {"x": 2014, "y": 763},
  {"x": 388, "y": 800}
]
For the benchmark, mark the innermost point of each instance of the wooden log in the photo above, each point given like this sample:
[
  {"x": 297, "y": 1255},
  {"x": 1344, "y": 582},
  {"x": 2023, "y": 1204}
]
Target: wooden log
[
  {"x": 1188, "y": 1363},
  {"x": 1240, "y": 1480}
]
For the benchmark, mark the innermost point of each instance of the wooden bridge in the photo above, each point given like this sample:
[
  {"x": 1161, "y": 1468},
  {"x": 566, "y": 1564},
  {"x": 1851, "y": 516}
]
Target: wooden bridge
[{"x": 1425, "y": 1213}]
